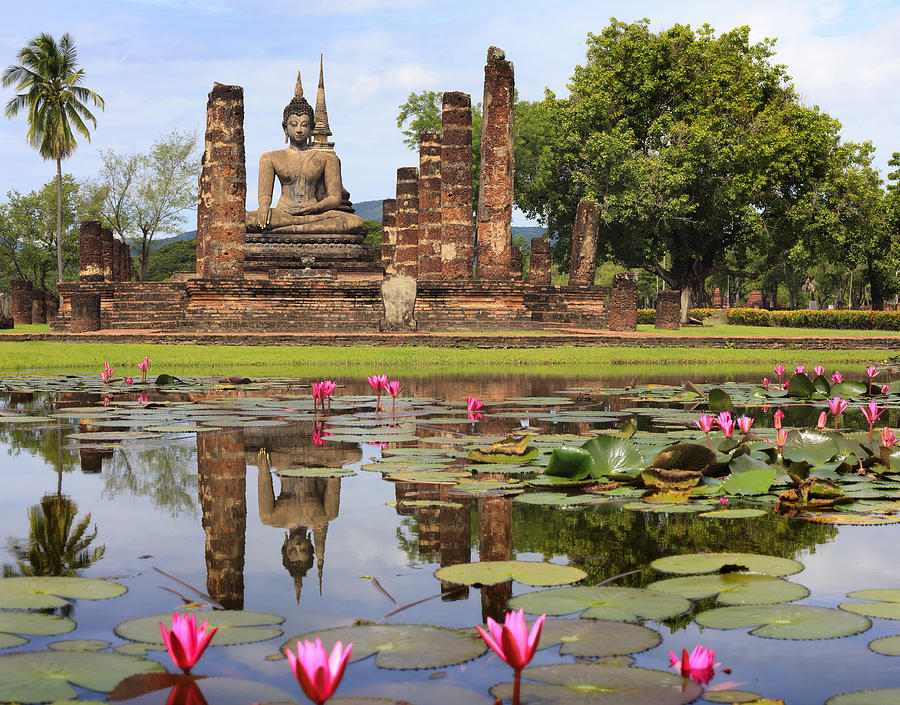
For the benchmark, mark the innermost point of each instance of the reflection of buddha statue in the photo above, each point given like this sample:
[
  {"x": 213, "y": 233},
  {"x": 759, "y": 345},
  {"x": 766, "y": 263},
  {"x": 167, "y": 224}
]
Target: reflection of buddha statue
[{"x": 312, "y": 199}]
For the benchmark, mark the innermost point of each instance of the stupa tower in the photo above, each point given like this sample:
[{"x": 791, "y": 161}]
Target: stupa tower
[{"x": 321, "y": 132}]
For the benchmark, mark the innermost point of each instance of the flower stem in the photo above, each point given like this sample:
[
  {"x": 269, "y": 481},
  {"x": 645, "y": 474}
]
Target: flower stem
[{"x": 517, "y": 681}]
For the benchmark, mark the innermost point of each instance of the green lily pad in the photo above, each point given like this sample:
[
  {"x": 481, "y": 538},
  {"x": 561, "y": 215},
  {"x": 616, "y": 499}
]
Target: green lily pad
[
  {"x": 401, "y": 646},
  {"x": 47, "y": 592},
  {"x": 695, "y": 563},
  {"x": 733, "y": 588},
  {"x": 596, "y": 638},
  {"x": 875, "y": 696},
  {"x": 801, "y": 386},
  {"x": 558, "y": 482},
  {"x": 613, "y": 456},
  {"x": 786, "y": 621},
  {"x": 886, "y": 603},
  {"x": 41, "y": 676},
  {"x": 849, "y": 388},
  {"x": 719, "y": 400},
  {"x": 618, "y": 604},
  {"x": 494, "y": 572},
  {"x": 813, "y": 447},
  {"x": 31, "y": 623},
  {"x": 750, "y": 482},
  {"x": 731, "y": 696},
  {"x": 21, "y": 418},
  {"x": 569, "y": 462},
  {"x": 558, "y": 499},
  {"x": 665, "y": 508},
  {"x": 79, "y": 645},
  {"x": 600, "y": 684},
  {"x": 530, "y": 454},
  {"x": 316, "y": 472},
  {"x": 235, "y": 627},
  {"x": 745, "y": 513},
  {"x": 886, "y": 645}
]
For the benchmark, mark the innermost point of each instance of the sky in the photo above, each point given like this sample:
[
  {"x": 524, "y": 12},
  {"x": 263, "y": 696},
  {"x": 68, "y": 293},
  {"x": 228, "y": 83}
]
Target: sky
[{"x": 154, "y": 62}]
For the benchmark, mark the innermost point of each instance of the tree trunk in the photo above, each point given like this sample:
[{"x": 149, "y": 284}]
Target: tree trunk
[
  {"x": 876, "y": 284},
  {"x": 59, "y": 271}
]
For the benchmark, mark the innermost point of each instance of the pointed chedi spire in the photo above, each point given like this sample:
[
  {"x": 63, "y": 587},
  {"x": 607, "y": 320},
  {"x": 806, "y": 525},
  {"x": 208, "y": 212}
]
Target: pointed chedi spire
[
  {"x": 321, "y": 132},
  {"x": 319, "y": 534}
]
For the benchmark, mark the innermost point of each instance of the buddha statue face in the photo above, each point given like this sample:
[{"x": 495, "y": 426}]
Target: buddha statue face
[{"x": 298, "y": 128}]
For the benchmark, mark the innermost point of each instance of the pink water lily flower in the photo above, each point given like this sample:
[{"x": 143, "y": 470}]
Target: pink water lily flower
[
  {"x": 698, "y": 666},
  {"x": 765, "y": 382},
  {"x": 378, "y": 383},
  {"x": 885, "y": 388},
  {"x": 186, "y": 642},
  {"x": 778, "y": 417},
  {"x": 823, "y": 418},
  {"x": 513, "y": 642},
  {"x": 142, "y": 366},
  {"x": 837, "y": 378},
  {"x": 837, "y": 406},
  {"x": 723, "y": 500},
  {"x": 779, "y": 370},
  {"x": 872, "y": 372},
  {"x": 393, "y": 388},
  {"x": 799, "y": 369},
  {"x": 128, "y": 380},
  {"x": 318, "y": 673},
  {"x": 780, "y": 438},
  {"x": 473, "y": 404},
  {"x": 819, "y": 370},
  {"x": 726, "y": 423},
  {"x": 888, "y": 438},
  {"x": 705, "y": 424},
  {"x": 107, "y": 373},
  {"x": 143, "y": 398},
  {"x": 744, "y": 423},
  {"x": 870, "y": 411}
]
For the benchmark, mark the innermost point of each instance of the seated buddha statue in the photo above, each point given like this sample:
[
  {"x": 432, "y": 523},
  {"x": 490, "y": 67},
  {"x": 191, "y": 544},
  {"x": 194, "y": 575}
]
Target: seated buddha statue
[{"x": 313, "y": 199}]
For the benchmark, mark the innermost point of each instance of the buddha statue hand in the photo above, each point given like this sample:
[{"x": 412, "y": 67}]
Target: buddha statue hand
[{"x": 262, "y": 217}]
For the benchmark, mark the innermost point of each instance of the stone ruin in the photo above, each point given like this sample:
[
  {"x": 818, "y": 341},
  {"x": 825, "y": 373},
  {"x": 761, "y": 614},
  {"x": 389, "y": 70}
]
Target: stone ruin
[{"x": 302, "y": 263}]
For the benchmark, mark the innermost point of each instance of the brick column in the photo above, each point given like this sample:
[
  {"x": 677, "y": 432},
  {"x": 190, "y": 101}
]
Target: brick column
[
  {"x": 539, "y": 263},
  {"x": 389, "y": 232},
  {"x": 430, "y": 205},
  {"x": 85, "y": 312},
  {"x": 90, "y": 252},
  {"x": 38, "y": 306},
  {"x": 20, "y": 291},
  {"x": 583, "y": 262},
  {"x": 457, "y": 245},
  {"x": 407, "y": 253},
  {"x": 52, "y": 300},
  {"x": 107, "y": 252},
  {"x": 495, "y": 185},
  {"x": 668, "y": 309},
  {"x": 515, "y": 264},
  {"x": 125, "y": 251},
  {"x": 623, "y": 302},
  {"x": 222, "y": 485},
  {"x": 223, "y": 187},
  {"x": 6, "y": 319}
]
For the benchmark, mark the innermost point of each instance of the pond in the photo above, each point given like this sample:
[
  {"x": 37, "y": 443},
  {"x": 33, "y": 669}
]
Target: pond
[{"x": 276, "y": 521}]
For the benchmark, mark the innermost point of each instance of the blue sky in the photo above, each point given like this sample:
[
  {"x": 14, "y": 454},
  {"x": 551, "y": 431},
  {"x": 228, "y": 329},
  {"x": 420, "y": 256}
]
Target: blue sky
[{"x": 154, "y": 61}]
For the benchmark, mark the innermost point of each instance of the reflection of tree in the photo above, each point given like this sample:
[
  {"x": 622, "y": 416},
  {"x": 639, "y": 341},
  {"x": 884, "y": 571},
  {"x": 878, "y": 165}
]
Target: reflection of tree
[
  {"x": 162, "y": 473},
  {"x": 57, "y": 544}
]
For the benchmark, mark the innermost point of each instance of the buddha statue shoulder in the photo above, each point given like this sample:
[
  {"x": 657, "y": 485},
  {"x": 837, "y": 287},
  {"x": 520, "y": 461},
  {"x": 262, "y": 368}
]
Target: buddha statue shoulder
[{"x": 313, "y": 199}]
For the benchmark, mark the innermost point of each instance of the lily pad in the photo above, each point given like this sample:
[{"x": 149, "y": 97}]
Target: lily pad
[
  {"x": 696, "y": 563},
  {"x": 112, "y": 436},
  {"x": 885, "y": 605},
  {"x": 597, "y": 638},
  {"x": 665, "y": 508},
  {"x": 235, "y": 627},
  {"x": 746, "y": 513},
  {"x": 600, "y": 684},
  {"x": 786, "y": 621},
  {"x": 79, "y": 645},
  {"x": 558, "y": 499},
  {"x": 494, "y": 572},
  {"x": 875, "y": 696},
  {"x": 719, "y": 400},
  {"x": 750, "y": 482},
  {"x": 559, "y": 482},
  {"x": 732, "y": 696},
  {"x": 614, "y": 456},
  {"x": 813, "y": 447},
  {"x": 733, "y": 588},
  {"x": 33, "y": 624},
  {"x": 840, "y": 519},
  {"x": 48, "y": 592},
  {"x": 401, "y": 646},
  {"x": 886, "y": 645},
  {"x": 619, "y": 604},
  {"x": 316, "y": 472}
]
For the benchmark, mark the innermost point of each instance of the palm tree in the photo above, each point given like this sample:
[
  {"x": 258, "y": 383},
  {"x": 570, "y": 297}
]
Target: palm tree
[{"x": 47, "y": 80}]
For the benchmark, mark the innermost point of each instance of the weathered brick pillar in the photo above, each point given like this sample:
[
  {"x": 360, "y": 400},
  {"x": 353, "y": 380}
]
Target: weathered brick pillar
[
  {"x": 515, "y": 263},
  {"x": 90, "y": 252},
  {"x": 222, "y": 486},
  {"x": 223, "y": 187},
  {"x": 85, "y": 312},
  {"x": 456, "y": 541},
  {"x": 52, "y": 301},
  {"x": 457, "y": 239},
  {"x": 583, "y": 262},
  {"x": 495, "y": 185},
  {"x": 668, "y": 309},
  {"x": 388, "y": 232},
  {"x": 107, "y": 252},
  {"x": 495, "y": 544},
  {"x": 6, "y": 319},
  {"x": 539, "y": 263},
  {"x": 430, "y": 205},
  {"x": 20, "y": 290},
  {"x": 623, "y": 302},
  {"x": 407, "y": 253},
  {"x": 125, "y": 261},
  {"x": 38, "y": 306}
]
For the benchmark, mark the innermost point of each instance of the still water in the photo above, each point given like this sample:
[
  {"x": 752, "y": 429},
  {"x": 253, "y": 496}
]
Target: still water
[{"x": 202, "y": 516}]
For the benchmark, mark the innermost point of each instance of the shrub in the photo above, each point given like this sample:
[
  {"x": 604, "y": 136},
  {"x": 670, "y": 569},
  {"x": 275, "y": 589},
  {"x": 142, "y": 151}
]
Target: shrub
[
  {"x": 749, "y": 317},
  {"x": 648, "y": 315},
  {"x": 807, "y": 318}
]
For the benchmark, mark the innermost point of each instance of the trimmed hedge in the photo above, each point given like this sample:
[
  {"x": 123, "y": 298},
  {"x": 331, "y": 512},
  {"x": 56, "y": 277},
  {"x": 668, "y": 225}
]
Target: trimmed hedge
[
  {"x": 648, "y": 315},
  {"x": 806, "y": 318}
]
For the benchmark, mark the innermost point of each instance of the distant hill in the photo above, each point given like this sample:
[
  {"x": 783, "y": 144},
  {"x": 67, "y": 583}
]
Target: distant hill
[{"x": 187, "y": 235}]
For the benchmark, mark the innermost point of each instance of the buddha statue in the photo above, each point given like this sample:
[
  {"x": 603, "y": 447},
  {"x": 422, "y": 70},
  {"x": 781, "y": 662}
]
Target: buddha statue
[{"x": 313, "y": 199}]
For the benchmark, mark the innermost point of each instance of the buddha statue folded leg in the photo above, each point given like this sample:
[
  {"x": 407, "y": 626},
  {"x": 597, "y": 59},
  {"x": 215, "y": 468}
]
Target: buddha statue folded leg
[{"x": 333, "y": 221}]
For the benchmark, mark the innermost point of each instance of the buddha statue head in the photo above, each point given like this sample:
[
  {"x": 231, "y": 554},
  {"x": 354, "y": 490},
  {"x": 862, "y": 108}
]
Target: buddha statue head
[{"x": 298, "y": 118}]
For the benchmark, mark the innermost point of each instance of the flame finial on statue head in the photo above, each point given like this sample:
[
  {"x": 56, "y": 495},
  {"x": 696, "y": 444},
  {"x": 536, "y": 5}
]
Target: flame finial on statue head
[{"x": 298, "y": 87}]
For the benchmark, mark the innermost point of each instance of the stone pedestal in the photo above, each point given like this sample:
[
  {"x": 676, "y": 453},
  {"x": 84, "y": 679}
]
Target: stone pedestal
[
  {"x": 583, "y": 262},
  {"x": 223, "y": 187},
  {"x": 718, "y": 301},
  {"x": 6, "y": 319},
  {"x": 407, "y": 253},
  {"x": 38, "y": 306},
  {"x": 430, "y": 205},
  {"x": 389, "y": 233},
  {"x": 755, "y": 299},
  {"x": 90, "y": 252},
  {"x": 495, "y": 185},
  {"x": 623, "y": 302},
  {"x": 457, "y": 237},
  {"x": 107, "y": 252},
  {"x": 85, "y": 312},
  {"x": 398, "y": 292},
  {"x": 539, "y": 262},
  {"x": 668, "y": 309},
  {"x": 20, "y": 292}
]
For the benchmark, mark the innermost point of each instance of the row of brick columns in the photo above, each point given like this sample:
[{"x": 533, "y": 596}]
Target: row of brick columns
[
  {"x": 31, "y": 304},
  {"x": 101, "y": 256}
]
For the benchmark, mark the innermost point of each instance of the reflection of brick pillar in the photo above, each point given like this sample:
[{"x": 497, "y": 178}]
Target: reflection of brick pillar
[
  {"x": 223, "y": 187},
  {"x": 405, "y": 490},
  {"x": 429, "y": 525},
  {"x": 516, "y": 266},
  {"x": 222, "y": 484},
  {"x": 388, "y": 232},
  {"x": 668, "y": 309},
  {"x": 408, "y": 221},
  {"x": 457, "y": 248},
  {"x": 495, "y": 185},
  {"x": 430, "y": 205},
  {"x": 38, "y": 306},
  {"x": 583, "y": 262},
  {"x": 495, "y": 544},
  {"x": 623, "y": 302},
  {"x": 456, "y": 541},
  {"x": 107, "y": 252},
  {"x": 85, "y": 312},
  {"x": 92, "y": 460},
  {"x": 90, "y": 252},
  {"x": 20, "y": 291},
  {"x": 539, "y": 263}
]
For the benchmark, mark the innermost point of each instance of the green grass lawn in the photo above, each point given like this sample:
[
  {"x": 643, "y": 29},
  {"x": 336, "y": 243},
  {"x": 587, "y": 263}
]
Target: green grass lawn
[{"x": 726, "y": 329}]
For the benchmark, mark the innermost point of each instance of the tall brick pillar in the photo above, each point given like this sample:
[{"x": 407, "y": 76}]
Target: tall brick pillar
[
  {"x": 223, "y": 187},
  {"x": 668, "y": 309},
  {"x": 430, "y": 205},
  {"x": 495, "y": 185},
  {"x": 222, "y": 485},
  {"x": 388, "y": 232},
  {"x": 583, "y": 262},
  {"x": 407, "y": 253},
  {"x": 539, "y": 262},
  {"x": 623, "y": 302},
  {"x": 457, "y": 243},
  {"x": 107, "y": 253},
  {"x": 125, "y": 251},
  {"x": 38, "y": 306},
  {"x": 85, "y": 312},
  {"x": 90, "y": 252},
  {"x": 495, "y": 544},
  {"x": 516, "y": 263},
  {"x": 20, "y": 291},
  {"x": 52, "y": 305}
]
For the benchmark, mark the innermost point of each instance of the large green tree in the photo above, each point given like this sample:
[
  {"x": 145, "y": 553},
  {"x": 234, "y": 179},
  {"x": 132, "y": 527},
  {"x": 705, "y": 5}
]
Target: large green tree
[{"x": 48, "y": 81}]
